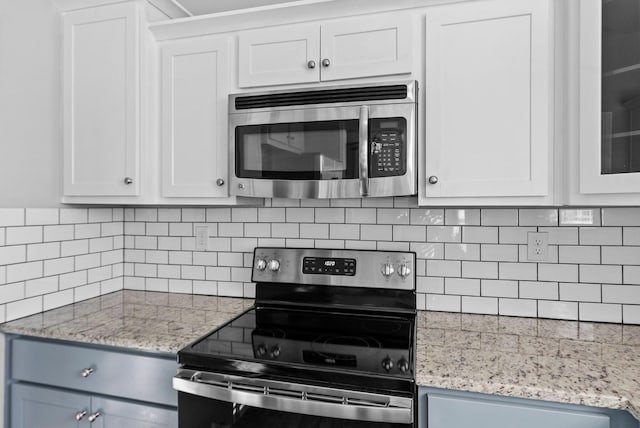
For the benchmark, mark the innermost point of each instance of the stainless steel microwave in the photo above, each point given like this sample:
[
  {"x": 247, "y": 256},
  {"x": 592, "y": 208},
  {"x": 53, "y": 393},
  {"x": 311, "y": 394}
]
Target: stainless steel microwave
[{"x": 335, "y": 142}]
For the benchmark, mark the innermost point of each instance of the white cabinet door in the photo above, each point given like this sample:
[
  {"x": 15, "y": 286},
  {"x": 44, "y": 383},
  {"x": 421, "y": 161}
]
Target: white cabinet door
[
  {"x": 488, "y": 103},
  {"x": 605, "y": 151},
  {"x": 101, "y": 82},
  {"x": 279, "y": 55},
  {"x": 376, "y": 46},
  {"x": 194, "y": 118}
]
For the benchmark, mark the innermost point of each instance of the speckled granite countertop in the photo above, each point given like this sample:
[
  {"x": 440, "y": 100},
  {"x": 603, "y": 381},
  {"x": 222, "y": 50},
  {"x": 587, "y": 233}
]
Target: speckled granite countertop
[
  {"x": 141, "y": 320},
  {"x": 564, "y": 361}
]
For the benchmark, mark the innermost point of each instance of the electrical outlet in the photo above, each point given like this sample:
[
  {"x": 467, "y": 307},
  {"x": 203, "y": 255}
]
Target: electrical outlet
[
  {"x": 538, "y": 246},
  {"x": 202, "y": 238}
]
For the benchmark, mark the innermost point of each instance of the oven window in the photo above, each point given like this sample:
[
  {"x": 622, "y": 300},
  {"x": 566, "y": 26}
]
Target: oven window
[{"x": 326, "y": 150}]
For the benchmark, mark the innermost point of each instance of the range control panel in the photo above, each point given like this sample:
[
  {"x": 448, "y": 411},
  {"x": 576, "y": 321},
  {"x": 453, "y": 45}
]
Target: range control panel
[
  {"x": 388, "y": 147},
  {"x": 329, "y": 266}
]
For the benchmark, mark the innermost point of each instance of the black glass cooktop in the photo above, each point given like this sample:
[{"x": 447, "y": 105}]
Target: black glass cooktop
[{"x": 311, "y": 339}]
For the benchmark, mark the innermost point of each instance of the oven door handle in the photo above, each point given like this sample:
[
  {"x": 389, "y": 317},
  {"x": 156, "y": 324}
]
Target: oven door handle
[
  {"x": 363, "y": 150},
  {"x": 294, "y": 398}
]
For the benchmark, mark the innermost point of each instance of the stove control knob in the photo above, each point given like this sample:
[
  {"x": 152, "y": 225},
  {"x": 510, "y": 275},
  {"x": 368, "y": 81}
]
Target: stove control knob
[
  {"x": 404, "y": 270},
  {"x": 261, "y": 264},
  {"x": 274, "y": 352},
  {"x": 274, "y": 265},
  {"x": 387, "y": 364},
  {"x": 387, "y": 269},
  {"x": 261, "y": 350},
  {"x": 403, "y": 365}
]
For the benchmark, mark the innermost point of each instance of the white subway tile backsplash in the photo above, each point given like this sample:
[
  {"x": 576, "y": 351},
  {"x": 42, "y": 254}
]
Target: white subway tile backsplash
[
  {"x": 169, "y": 214},
  {"x": 300, "y": 243},
  {"x": 13, "y": 254},
  {"x": 285, "y": 230},
  {"x": 518, "y": 307},
  {"x": 429, "y": 284},
  {"x": 377, "y": 203},
  {"x": 146, "y": 214},
  {"x": 87, "y": 261},
  {"x": 58, "y": 266},
  {"x": 484, "y": 270},
  {"x": 613, "y": 293},
  {"x": 499, "y": 217},
  {"x": 558, "y": 272},
  {"x": 230, "y": 259},
  {"x": 188, "y": 286},
  {"x": 299, "y": 215},
  {"x": 155, "y": 257},
  {"x": 393, "y": 216},
  {"x": 538, "y": 290},
  {"x": 217, "y": 215},
  {"x": 230, "y": 289},
  {"x": 462, "y": 286},
  {"x": 631, "y": 236},
  {"x": 498, "y": 288},
  {"x": 157, "y": 284},
  {"x": 558, "y": 310},
  {"x": 224, "y": 244},
  {"x": 580, "y": 292},
  {"x": 514, "y": 235},
  {"x": 257, "y": 230},
  {"x": 600, "y": 312},
  {"x": 480, "y": 305},
  {"x": 156, "y": 229},
  {"x": 600, "y": 236},
  {"x": 344, "y": 231},
  {"x": 85, "y": 292},
  {"x": 169, "y": 271},
  {"x": 360, "y": 215},
  {"x": 146, "y": 270},
  {"x": 100, "y": 215},
  {"x": 409, "y": 233},
  {"x": 22, "y": 308},
  {"x": 73, "y": 215},
  {"x": 45, "y": 285},
  {"x": 134, "y": 228},
  {"x": 538, "y": 217},
  {"x": 561, "y": 235},
  {"x": 631, "y": 275},
  {"x": 271, "y": 215},
  {"x": 601, "y": 274},
  {"x": 427, "y": 250},
  {"x": 329, "y": 215},
  {"x": 49, "y": 250},
  {"x": 186, "y": 229},
  {"x": 461, "y": 251},
  {"x": 242, "y": 215},
  {"x": 447, "y": 268},
  {"x": 243, "y": 244},
  {"x": 480, "y": 234},
  {"x": 59, "y": 233},
  {"x": 41, "y": 216},
  {"x": 443, "y": 302},
  {"x": 579, "y": 254},
  {"x": 24, "y": 271},
  {"x": 517, "y": 271},
  {"x": 499, "y": 253},
  {"x": 12, "y": 292},
  {"x": 12, "y": 217},
  {"x": 359, "y": 245},
  {"x": 621, "y": 255},
  {"x": 444, "y": 234},
  {"x": 580, "y": 217},
  {"x": 205, "y": 258},
  {"x": 338, "y": 244},
  {"x": 57, "y": 299},
  {"x": 2, "y": 236},
  {"x": 420, "y": 216},
  {"x": 314, "y": 231},
  {"x": 620, "y": 216},
  {"x": 23, "y": 235},
  {"x": 631, "y": 314},
  {"x": 467, "y": 217},
  {"x": 146, "y": 243}
]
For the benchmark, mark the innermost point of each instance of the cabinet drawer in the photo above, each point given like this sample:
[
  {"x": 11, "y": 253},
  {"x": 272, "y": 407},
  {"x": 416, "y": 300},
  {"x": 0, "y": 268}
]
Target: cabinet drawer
[{"x": 120, "y": 374}]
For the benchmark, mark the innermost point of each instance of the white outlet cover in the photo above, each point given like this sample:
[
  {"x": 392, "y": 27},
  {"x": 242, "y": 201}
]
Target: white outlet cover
[
  {"x": 537, "y": 246},
  {"x": 202, "y": 238}
]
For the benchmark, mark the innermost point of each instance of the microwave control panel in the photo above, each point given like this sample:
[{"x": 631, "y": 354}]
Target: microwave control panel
[{"x": 388, "y": 151}]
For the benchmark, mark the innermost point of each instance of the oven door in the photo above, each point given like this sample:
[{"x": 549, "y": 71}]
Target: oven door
[
  {"x": 211, "y": 400},
  {"x": 323, "y": 152}
]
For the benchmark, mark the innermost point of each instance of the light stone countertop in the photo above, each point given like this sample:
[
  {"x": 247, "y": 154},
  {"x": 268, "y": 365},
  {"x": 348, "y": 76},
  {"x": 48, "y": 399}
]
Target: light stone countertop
[{"x": 564, "y": 361}]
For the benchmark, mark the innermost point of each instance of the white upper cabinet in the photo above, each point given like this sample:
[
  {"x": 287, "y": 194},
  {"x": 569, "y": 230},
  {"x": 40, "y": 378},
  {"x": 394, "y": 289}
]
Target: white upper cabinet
[
  {"x": 375, "y": 45},
  {"x": 101, "y": 81},
  {"x": 194, "y": 117},
  {"x": 488, "y": 104},
  {"x": 604, "y": 153}
]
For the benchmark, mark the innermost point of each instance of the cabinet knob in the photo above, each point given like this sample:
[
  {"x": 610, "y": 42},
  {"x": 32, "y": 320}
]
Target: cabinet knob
[
  {"x": 311, "y": 64},
  {"x": 80, "y": 415},
  {"x": 86, "y": 372},
  {"x": 128, "y": 180},
  {"x": 94, "y": 416},
  {"x": 326, "y": 62},
  {"x": 220, "y": 182},
  {"x": 433, "y": 179}
]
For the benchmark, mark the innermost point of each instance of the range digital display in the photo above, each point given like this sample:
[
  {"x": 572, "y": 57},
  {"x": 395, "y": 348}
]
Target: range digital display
[{"x": 329, "y": 266}]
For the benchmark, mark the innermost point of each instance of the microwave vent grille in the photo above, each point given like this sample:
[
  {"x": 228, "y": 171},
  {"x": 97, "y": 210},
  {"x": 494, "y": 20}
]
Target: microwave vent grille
[{"x": 330, "y": 96}]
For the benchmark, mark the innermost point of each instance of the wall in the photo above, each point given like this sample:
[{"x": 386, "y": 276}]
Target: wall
[
  {"x": 469, "y": 260},
  {"x": 29, "y": 104}
]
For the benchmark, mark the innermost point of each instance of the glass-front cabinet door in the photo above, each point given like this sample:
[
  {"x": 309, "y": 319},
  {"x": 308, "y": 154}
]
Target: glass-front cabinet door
[{"x": 609, "y": 106}]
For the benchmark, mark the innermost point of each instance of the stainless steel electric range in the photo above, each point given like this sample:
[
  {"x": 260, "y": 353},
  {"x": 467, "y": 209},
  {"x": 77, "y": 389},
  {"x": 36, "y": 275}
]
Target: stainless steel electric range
[{"x": 330, "y": 342}]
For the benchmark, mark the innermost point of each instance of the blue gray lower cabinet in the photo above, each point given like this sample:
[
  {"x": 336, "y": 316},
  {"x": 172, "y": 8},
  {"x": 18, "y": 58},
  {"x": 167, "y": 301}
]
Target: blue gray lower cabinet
[
  {"x": 60, "y": 384},
  {"x": 451, "y": 409}
]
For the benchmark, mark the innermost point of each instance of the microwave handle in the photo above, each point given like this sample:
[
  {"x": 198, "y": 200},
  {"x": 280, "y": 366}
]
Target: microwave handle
[{"x": 363, "y": 151}]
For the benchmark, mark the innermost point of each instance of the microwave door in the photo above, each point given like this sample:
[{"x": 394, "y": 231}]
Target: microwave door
[{"x": 363, "y": 151}]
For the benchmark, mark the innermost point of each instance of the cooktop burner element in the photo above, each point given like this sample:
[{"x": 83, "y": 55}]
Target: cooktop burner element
[{"x": 323, "y": 319}]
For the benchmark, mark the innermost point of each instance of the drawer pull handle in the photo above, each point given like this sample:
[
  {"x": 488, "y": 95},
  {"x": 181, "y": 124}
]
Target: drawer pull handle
[
  {"x": 86, "y": 372},
  {"x": 80, "y": 415},
  {"x": 94, "y": 416}
]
